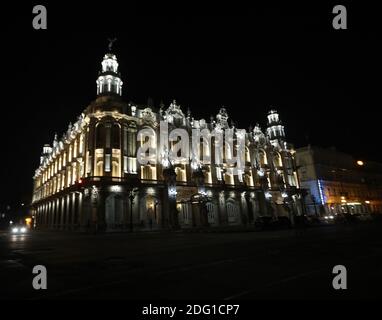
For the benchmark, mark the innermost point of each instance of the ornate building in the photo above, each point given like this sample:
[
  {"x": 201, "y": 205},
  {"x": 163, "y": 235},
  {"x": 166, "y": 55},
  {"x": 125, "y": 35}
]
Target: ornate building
[{"x": 91, "y": 177}]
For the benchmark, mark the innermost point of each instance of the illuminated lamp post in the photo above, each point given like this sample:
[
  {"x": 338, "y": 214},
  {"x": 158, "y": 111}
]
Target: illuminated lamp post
[
  {"x": 156, "y": 203},
  {"x": 131, "y": 198}
]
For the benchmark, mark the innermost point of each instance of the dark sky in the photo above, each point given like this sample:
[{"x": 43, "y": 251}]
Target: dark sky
[{"x": 325, "y": 83}]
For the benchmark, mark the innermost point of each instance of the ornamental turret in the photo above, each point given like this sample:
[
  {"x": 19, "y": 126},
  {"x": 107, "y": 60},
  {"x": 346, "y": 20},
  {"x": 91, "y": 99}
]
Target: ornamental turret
[
  {"x": 109, "y": 80},
  {"x": 275, "y": 129}
]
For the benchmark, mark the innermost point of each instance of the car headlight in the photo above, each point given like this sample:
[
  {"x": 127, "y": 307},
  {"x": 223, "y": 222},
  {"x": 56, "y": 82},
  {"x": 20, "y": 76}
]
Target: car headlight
[
  {"x": 331, "y": 217},
  {"x": 23, "y": 230},
  {"x": 15, "y": 230}
]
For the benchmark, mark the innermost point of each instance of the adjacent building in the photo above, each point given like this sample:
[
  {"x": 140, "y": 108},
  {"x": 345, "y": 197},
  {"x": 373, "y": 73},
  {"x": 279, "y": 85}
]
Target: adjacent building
[
  {"x": 90, "y": 177},
  {"x": 338, "y": 183}
]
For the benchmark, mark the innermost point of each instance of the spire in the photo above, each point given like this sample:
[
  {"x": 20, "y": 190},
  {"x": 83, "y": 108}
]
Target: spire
[
  {"x": 111, "y": 41},
  {"x": 109, "y": 81}
]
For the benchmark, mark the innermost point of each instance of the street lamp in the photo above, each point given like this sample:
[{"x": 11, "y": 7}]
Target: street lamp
[
  {"x": 156, "y": 203},
  {"x": 131, "y": 198},
  {"x": 360, "y": 163}
]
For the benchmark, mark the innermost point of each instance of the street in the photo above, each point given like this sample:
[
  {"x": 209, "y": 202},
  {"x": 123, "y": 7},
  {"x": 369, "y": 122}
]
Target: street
[{"x": 175, "y": 265}]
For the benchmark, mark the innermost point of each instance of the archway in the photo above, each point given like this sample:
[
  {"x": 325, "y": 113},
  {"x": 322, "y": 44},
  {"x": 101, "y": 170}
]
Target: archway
[{"x": 233, "y": 212}]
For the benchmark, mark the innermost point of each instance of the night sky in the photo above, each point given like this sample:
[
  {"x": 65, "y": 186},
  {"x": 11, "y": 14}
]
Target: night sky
[{"x": 325, "y": 83}]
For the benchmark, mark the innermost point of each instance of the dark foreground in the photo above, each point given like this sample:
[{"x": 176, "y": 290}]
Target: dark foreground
[{"x": 246, "y": 265}]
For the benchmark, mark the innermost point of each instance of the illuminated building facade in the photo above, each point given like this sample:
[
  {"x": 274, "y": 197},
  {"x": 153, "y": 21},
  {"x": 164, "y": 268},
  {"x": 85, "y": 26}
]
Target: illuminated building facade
[
  {"x": 338, "y": 183},
  {"x": 91, "y": 177}
]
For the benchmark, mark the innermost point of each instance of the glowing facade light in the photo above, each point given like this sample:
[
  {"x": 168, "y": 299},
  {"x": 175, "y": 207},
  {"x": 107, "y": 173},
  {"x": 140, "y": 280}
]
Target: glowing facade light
[
  {"x": 320, "y": 191},
  {"x": 172, "y": 192},
  {"x": 115, "y": 188},
  {"x": 150, "y": 191},
  {"x": 360, "y": 163}
]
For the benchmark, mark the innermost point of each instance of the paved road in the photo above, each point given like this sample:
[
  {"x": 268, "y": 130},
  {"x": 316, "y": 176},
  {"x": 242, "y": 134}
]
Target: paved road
[{"x": 242, "y": 265}]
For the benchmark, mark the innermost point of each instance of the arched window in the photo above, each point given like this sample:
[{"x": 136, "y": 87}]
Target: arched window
[
  {"x": 262, "y": 158},
  {"x": 228, "y": 178},
  {"x": 248, "y": 179},
  {"x": 99, "y": 169},
  {"x": 228, "y": 154},
  {"x": 277, "y": 160},
  {"x": 81, "y": 147},
  {"x": 116, "y": 136},
  {"x": 232, "y": 212},
  {"x": 181, "y": 173},
  {"x": 100, "y": 136},
  {"x": 70, "y": 154},
  {"x": 99, "y": 163},
  {"x": 75, "y": 149},
  {"x": 115, "y": 169},
  {"x": 211, "y": 213},
  {"x": 146, "y": 172}
]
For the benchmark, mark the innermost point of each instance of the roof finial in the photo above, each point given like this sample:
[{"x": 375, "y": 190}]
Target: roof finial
[{"x": 111, "y": 41}]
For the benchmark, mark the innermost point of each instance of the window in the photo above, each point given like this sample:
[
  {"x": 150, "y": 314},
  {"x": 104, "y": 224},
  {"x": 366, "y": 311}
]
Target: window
[
  {"x": 211, "y": 214},
  {"x": 146, "y": 172},
  {"x": 232, "y": 212},
  {"x": 70, "y": 154},
  {"x": 116, "y": 135},
  {"x": 98, "y": 163},
  {"x": 228, "y": 178},
  {"x": 100, "y": 136},
  {"x": 99, "y": 168},
  {"x": 107, "y": 162},
  {"x": 115, "y": 169},
  {"x": 277, "y": 160},
  {"x": 81, "y": 147},
  {"x": 180, "y": 174},
  {"x": 262, "y": 158},
  {"x": 75, "y": 149}
]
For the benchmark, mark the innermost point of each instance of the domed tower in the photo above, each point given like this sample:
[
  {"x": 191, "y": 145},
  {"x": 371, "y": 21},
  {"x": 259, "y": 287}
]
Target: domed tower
[
  {"x": 109, "y": 79},
  {"x": 275, "y": 129}
]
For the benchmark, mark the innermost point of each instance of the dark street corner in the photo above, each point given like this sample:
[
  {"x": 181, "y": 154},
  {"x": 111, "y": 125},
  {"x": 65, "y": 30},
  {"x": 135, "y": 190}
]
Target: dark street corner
[{"x": 282, "y": 264}]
